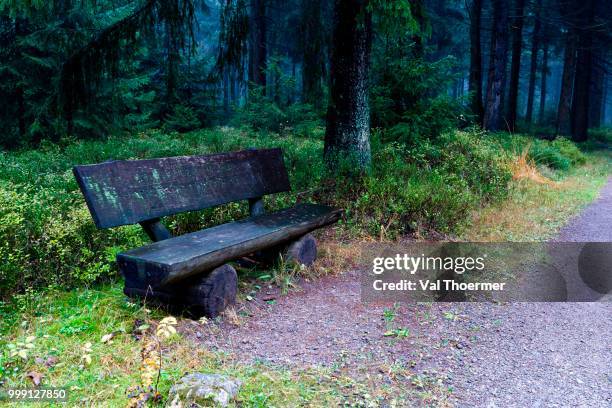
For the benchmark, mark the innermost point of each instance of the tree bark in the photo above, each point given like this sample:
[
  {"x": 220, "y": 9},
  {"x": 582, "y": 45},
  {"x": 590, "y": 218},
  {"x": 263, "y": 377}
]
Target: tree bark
[
  {"x": 533, "y": 69},
  {"x": 347, "y": 136},
  {"x": 543, "y": 84},
  {"x": 475, "y": 81},
  {"x": 517, "y": 48},
  {"x": 312, "y": 33},
  {"x": 567, "y": 85},
  {"x": 493, "y": 119},
  {"x": 582, "y": 80},
  {"x": 21, "y": 111},
  {"x": 596, "y": 92},
  {"x": 604, "y": 98},
  {"x": 173, "y": 47},
  {"x": 258, "y": 46}
]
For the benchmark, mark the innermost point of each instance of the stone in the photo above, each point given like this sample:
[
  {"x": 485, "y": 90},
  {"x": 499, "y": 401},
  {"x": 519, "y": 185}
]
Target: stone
[{"x": 204, "y": 389}]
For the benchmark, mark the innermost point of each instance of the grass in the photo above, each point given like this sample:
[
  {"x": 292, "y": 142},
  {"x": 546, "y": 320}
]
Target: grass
[
  {"x": 537, "y": 207},
  {"x": 68, "y": 330},
  {"x": 61, "y": 324}
]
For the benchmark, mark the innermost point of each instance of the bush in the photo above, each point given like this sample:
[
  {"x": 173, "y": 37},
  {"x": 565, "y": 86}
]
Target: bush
[
  {"x": 601, "y": 135},
  {"x": 559, "y": 154},
  {"x": 569, "y": 150},
  {"x": 260, "y": 113},
  {"x": 434, "y": 185}
]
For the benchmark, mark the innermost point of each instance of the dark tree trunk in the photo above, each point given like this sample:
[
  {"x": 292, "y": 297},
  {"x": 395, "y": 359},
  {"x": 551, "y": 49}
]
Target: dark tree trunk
[
  {"x": 348, "y": 117},
  {"x": 226, "y": 91},
  {"x": 567, "y": 85},
  {"x": 596, "y": 92},
  {"x": 475, "y": 81},
  {"x": 582, "y": 81},
  {"x": 604, "y": 99},
  {"x": 312, "y": 33},
  {"x": 533, "y": 67},
  {"x": 517, "y": 48},
  {"x": 21, "y": 111},
  {"x": 173, "y": 46},
  {"x": 543, "y": 84},
  {"x": 493, "y": 119},
  {"x": 258, "y": 45}
]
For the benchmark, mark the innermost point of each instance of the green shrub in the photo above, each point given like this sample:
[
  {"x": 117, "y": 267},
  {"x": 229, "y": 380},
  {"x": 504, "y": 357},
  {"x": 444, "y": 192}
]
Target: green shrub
[
  {"x": 601, "y": 135},
  {"x": 182, "y": 119},
  {"x": 434, "y": 185},
  {"x": 568, "y": 149},
  {"x": 559, "y": 154},
  {"x": 545, "y": 154}
]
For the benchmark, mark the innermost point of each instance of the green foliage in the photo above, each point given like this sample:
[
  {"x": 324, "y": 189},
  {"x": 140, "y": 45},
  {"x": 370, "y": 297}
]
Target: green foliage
[
  {"x": 261, "y": 113},
  {"x": 411, "y": 96},
  {"x": 433, "y": 186},
  {"x": 559, "y": 154},
  {"x": 182, "y": 119},
  {"x": 601, "y": 135}
]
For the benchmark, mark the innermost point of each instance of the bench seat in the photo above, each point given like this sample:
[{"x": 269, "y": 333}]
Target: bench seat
[{"x": 168, "y": 261}]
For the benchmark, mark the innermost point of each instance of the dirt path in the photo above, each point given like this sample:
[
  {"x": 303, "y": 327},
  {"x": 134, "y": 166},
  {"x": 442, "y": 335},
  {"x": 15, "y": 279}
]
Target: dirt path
[{"x": 468, "y": 355}]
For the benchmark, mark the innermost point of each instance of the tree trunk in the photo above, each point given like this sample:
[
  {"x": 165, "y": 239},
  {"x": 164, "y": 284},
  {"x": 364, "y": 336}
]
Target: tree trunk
[
  {"x": 543, "y": 83},
  {"x": 312, "y": 33},
  {"x": 173, "y": 45},
  {"x": 493, "y": 119},
  {"x": 533, "y": 68},
  {"x": 475, "y": 81},
  {"x": 596, "y": 92},
  {"x": 582, "y": 81},
  {"x": 348, "y": 116},
  {"x": 567, "y": 85},
  {"x": 604, "y": 99},
  {"x": 21, "y": 111},
  {"x": 517, "y": 48},
  {"x": 258, "y": 44}
]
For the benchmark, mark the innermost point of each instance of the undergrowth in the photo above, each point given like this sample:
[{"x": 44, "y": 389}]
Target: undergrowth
[{"x": 48, "y": 237}]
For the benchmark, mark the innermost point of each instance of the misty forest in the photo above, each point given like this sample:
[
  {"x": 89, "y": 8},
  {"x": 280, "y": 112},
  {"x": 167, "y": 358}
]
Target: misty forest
[{"x": 482, "y": 120}]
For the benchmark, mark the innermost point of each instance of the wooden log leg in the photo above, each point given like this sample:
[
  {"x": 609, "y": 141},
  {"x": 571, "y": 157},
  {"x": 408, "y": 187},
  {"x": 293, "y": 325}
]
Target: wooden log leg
[
  {"x": 204, "y": 295},
  {"x": 303, "y": 251},
  {"x": 212, "y": 293}
]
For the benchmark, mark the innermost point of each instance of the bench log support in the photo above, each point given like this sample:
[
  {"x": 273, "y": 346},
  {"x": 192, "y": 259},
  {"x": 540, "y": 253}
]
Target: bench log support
[
  {"x": 205, "y": 295},
  {"x": 156, "y": 230}
]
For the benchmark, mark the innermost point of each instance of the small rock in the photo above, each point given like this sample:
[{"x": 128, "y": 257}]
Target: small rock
[{"x": 204, "y": 389}]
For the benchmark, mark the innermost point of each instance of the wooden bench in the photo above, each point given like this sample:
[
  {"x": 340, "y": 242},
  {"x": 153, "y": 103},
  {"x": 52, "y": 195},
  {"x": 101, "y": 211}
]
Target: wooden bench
[{"x": 191, "y": 271}]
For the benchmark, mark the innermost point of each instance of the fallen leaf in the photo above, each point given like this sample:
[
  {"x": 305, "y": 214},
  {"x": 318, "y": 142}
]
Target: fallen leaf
[
  {"x": 171, "y": 320},
  {"x": 35, "y": 376},
  {"x": 51, "y": 361}
]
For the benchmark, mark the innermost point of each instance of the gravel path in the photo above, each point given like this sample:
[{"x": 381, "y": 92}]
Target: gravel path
[{"x": 468, "y": 354}]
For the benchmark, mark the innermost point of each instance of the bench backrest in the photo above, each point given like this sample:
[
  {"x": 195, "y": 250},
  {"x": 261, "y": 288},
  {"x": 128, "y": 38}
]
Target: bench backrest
[{"x": 132, "y": 191}]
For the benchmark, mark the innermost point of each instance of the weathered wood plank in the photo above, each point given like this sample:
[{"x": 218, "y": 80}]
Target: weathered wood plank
[
  {"x": 132, "y": 191},
  {"x": 175, "y": 259}
]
